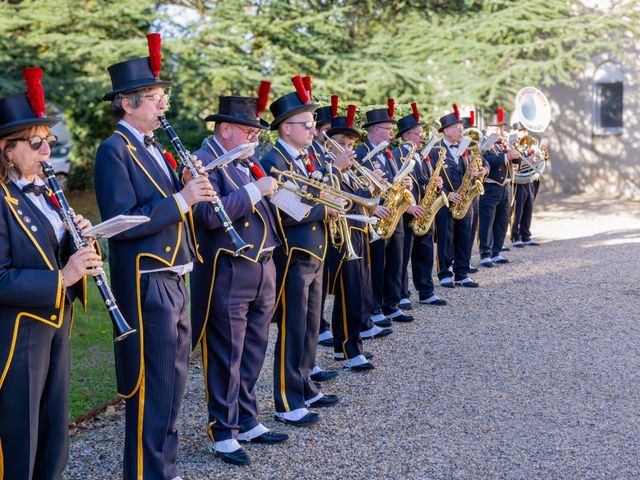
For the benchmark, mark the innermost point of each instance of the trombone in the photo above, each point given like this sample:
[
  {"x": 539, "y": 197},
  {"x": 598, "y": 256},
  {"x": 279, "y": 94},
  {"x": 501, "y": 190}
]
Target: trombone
[
  {"x": 362, "y": 176},
  {"x": 312, "y": 190}
]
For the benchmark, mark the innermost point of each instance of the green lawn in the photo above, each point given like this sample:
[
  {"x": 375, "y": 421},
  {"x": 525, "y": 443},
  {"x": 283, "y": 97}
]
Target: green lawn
[{"x": 92, "y": 368}]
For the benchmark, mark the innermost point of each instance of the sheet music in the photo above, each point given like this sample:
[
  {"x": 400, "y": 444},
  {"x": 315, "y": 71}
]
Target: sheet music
[
  {"x": 114, "y": 226},
  {"x": 489, "y": 141},
  {"x": 463, "y": 145},
  {"x": 289, "y": 202}
]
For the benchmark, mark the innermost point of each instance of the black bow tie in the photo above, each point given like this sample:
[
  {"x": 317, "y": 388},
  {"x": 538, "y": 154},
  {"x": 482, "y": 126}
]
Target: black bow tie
[
  {"x": 302, "y": 157},
  {"x": 454, "y": 145},
  {"x": 35, "y": 189},
  {"x": 149, "y": 140}
]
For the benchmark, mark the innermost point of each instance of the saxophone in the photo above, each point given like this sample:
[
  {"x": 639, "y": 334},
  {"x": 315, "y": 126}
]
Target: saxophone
[
  {"x": 470, "y": 187},
  {"x": 432, "y": 200},
  {"x": 396, "y": 198}
]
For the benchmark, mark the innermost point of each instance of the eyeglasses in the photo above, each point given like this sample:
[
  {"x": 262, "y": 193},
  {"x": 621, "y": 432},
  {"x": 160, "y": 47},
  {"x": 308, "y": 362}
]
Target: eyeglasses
[
  {"x": 307, "y": 125},
  {"x": 36, "y": 141},
  {"x": 250, "y": 133},
  {"x": 156, "y": 97}
]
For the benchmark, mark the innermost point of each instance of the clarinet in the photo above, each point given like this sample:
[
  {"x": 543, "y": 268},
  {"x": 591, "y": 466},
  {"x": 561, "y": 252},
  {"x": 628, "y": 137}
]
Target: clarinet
[
  {"x": 185, "y": 158},
  {"x": 120, "y": 325}
]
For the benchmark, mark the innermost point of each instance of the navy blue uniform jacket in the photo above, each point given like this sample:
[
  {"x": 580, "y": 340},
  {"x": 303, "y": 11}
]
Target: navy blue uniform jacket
[
  {"x": 129, "y": 181},
  {"x": 256, "y": 225}
]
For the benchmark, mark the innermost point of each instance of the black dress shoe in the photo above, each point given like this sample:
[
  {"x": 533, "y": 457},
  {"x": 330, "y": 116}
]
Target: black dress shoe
[
  {"x": 239, "y": 457},
  {"x": 486, "y": 264},
  {"x": 470, "y": 284},
  {"x": 403, "y": 318},
  {"x": 502, "y": 261},
  {"x": 448, "y": 285},
  {"x": 306, "y": 421},
  {"x": 438, "y": 302},
  {"x": 268, "y": 437},
  {"x": 505, "y": 249},
  {"x": 325, "y": 401},
  {"x": 324, "y": 375},
  {"x": 326, "y": 343},
  {"x": 531, "y": 243},
  {"x": 473, "y": 270},
  {"x": 385, "y": 322},
  {"x": 405, "y": 306},
  {"x": 382, "y": 333},
  {"x": 364, "y": 367}
]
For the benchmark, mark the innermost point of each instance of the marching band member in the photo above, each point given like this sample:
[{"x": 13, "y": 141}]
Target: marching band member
[
  {"x": 524, "y": 197},
  {"x": 323, "y": 123},
  {"x": 495, "y": 204},
  {"x": 351, "y": 279},
  {"x": 232, "y": 298},
  {"x": 148, "y": 264},
  {"x": 39, "y": 280},
  {"x": 386, "y": 255},
  {"x": 299, "y": 265},
  {"x": 417, "y": 248},
  {"x": 453, "y": 236},
  {"x": 475, "y": 206}
]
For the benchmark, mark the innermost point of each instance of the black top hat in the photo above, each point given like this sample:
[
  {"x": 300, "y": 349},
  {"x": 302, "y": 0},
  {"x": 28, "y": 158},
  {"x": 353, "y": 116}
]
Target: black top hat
[
  {"x": 380, "y": 115},
  {"x": 344, "y": 125},
  {"x": 137, "y": 73},
  {"x": 466, "y": 122},
  {"x": 25, "y": 110},
  {"x": 410, "y": 121},
  {"x": 450, "y": 119},
  {"x": 291, "y": 103},
  {"x": 243, "y": 110},
  {"x": 323, "y": 115}
]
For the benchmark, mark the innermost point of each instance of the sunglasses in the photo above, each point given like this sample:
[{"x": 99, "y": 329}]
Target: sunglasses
[
  {"x": 36, "y": 141},
  {"x": 307, "y": 125}
]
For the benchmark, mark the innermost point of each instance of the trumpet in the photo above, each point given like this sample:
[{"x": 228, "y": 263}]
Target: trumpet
[
  {"x": 362, "y": 176},
  {"x": 335, "y": 198}
]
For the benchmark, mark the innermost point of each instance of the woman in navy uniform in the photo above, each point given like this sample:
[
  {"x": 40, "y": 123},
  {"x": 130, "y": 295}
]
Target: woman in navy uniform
[
  {"x": 39, "y": 281},
  {"x": 299, "y": 266},
  {"x": 233, "y": 298},
  {"x": 148, "y": 264},
  {"x": 417, "y": 248}
]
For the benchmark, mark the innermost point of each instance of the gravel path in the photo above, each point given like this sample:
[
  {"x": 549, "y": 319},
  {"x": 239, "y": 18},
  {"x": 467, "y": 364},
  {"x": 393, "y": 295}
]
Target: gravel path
[{"x": 533, "y": 375}]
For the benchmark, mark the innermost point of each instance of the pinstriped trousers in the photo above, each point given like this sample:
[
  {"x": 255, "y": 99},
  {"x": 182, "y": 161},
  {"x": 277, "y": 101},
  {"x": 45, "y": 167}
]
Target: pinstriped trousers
[
  {"x": 151, "y": 439},
  {"x": 34, "y": 402}
]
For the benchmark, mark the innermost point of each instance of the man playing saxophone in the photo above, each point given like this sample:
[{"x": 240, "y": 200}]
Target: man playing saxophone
[
  {"x": 386, "y": 255},
  {"x": 452, "y": 235},
  {"x": 417, "y": 248}
]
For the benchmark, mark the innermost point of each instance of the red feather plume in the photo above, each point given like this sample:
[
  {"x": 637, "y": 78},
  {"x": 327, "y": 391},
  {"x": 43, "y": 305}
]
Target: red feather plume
[
  {"x": 472, "y": 117},
  {"x": 391, "y": 104},
  {"x": 170, "y": 159},
  {"x": 351, "y": 115},
  {"x": 306, "y": 81},
  {"x": 263, "y": 97},
  {"x": 416, "y": 113},
  {"x": 334, "y": 106},
  {"x": 300, "y": 90},
  {"x": 155, "y": 55},
  {"x": 35, "y": 93},
  {"x": 456, "y": 111},
  {"x": 500, "y": 115}
]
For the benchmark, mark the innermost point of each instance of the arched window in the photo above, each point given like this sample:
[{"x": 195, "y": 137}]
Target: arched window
[{"x": 608, "y": 100}]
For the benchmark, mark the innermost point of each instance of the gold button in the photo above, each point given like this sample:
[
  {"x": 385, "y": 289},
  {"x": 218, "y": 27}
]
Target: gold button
[
  {"x": 53, "y": 317},
  {"x": 314, "y": 228},
  {"x": 246, "y": 224},
  {"x": 167, "y": 249},
  {"x": 319, "y": 247}
]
